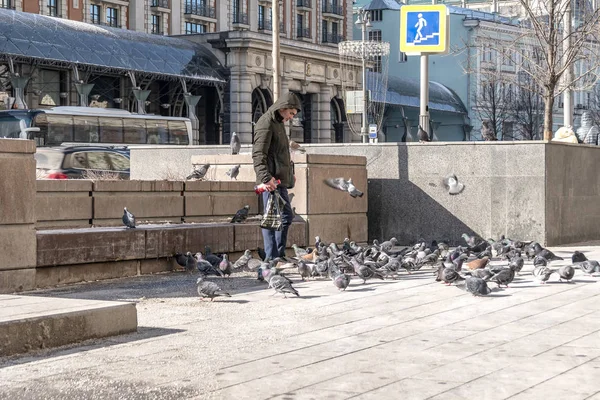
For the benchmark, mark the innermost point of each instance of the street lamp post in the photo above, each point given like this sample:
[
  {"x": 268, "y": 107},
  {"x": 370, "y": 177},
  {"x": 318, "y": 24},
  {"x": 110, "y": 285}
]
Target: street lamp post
[{"x": 364, "y": 21}]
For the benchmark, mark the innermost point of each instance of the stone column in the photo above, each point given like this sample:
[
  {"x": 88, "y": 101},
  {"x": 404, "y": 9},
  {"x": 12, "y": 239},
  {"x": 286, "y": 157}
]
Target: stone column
[
  {"x": 175, "y": 22},
  {"x": 17, "y": 215},
  {"x": 241, "y": 98},
  {"x": 222, "y": 11},
  {"x": 323, "y": 115}
]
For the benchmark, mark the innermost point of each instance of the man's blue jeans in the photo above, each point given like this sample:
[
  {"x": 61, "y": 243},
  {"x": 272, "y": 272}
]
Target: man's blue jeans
[{"x": 275, "y": 241}]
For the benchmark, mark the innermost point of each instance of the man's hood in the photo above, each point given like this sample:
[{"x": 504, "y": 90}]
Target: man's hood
[{"x": 288, "y": 100}]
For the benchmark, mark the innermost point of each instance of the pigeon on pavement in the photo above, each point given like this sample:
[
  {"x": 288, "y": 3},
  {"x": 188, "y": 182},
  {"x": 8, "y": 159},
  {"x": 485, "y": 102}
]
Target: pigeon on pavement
[
  {"x": 281, "y": 284},
  {"x": 477, "y": 286},
  {"x": 341, "y": 281},
  {"x": 233, "y": 172},
  {"x": 209, "y": 289},
  {"x": 241, "y": 215},
  {"x": 225, "y": 266},
  {"x": 235, "y": 143},
  {"x": 199, "y": 173},
  {"x": 566, "y": 272},
  {"x": 128, "y": 218}
]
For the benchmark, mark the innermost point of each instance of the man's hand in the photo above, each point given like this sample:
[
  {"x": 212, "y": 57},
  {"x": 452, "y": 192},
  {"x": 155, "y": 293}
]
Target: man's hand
[{"x": 269, "y": 186}]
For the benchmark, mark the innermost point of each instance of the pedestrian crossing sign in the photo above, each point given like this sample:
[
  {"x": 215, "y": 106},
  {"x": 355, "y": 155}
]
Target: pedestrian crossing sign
[{"x": 424, "y": 29}]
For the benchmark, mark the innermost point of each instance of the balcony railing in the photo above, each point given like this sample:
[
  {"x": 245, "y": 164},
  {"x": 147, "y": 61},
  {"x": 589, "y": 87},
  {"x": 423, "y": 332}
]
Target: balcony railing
[
  {"x": 240, "y": 18},
  {"x": 267, "y": 25},
  {"x": 333, "y": 9},
  {"x": 303, "y": 33},
  {"x": 160, "y": 3},
  {"x": 332, "y": 38},
  {"x": 7, "y": 4},
  {"x": 201, "y": 10},
  {"x": 303, "y": 3}
]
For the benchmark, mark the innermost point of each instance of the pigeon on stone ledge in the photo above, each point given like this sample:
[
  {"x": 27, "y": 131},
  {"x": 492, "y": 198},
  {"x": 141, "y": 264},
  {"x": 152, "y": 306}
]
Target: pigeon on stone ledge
[
  {"x": 128, "y": 218},
  {"x": 241, "y": 215},
  {"x": 199, "y": 173},
  {"x": 235, "y": 143},
  {"x": 233, "y": 172}
]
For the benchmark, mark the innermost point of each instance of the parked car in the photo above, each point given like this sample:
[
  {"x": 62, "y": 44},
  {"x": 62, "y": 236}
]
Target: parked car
[{"x": 81, "y": 162}]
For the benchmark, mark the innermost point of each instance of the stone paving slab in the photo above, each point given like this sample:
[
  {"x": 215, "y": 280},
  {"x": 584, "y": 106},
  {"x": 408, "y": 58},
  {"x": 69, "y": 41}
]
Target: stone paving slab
[{"x": 412, "y": 338}]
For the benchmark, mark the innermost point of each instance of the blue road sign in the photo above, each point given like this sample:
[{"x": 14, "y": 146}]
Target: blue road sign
[{"x": 423, "y": 29}]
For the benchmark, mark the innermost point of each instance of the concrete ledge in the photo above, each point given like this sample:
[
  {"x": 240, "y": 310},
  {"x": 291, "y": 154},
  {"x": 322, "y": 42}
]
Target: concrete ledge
[
  {"x": 30, "y": 323},
  {"x": 81, "y": 246},
  {"x": 66, "y": 274}
]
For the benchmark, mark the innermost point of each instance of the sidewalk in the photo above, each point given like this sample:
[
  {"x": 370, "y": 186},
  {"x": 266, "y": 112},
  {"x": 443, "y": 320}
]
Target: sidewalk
[{"x": 413, "y": 338}]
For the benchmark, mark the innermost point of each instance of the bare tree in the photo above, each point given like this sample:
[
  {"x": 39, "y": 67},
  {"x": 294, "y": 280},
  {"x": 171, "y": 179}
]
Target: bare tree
[
  {"x": 527, "y": 110},
  {"x": 546, "y": 51},
  {"x": 492, "y": 104}
]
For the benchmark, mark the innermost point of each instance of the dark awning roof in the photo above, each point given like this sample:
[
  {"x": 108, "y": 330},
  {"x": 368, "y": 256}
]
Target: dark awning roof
[
  {"x": 406, "y": 92},
  {"x": 62, "y": 41}
]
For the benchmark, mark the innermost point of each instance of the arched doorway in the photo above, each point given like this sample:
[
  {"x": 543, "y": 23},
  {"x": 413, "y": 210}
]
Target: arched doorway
[
  {"x": 338, "y": 117},
  {"x": 261, "y": 101}
]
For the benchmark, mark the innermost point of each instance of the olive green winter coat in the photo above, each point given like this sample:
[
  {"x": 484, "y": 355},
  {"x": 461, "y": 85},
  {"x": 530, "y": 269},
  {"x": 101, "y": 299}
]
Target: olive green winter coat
[{"x": 270, "y": 151}]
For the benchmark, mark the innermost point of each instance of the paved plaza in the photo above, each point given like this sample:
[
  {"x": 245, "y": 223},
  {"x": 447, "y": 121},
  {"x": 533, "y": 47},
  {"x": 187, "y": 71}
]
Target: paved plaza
[{"x": 411, "y": 338}]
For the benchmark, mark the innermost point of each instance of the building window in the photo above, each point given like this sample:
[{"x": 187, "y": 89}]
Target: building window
[
  {"x": 156, "y": 28},
  {"x": 375, "y": 36},
  {"x": 52, "y": 8},
  {"x": 376, "y": 15},
  {"x": 240, "y": 12},
  {"x": 261, "y": 17},
  {"x": 302, "y": 31},
  {"x": 112, "y": 17},
  {"x": 95, "y": 13},
  {"x": 7, "y": 4},
  {"x": 334, "y": 29},
  {"x": 191, "y": 28}
]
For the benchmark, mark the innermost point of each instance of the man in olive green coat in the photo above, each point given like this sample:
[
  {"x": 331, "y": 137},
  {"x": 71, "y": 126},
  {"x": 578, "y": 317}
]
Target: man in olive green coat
[{"x": 272, "y": 162}]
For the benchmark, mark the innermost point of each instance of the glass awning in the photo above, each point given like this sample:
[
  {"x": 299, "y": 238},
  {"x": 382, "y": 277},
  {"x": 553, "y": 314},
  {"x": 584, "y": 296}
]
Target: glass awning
[{"x": 62, "y": 41}]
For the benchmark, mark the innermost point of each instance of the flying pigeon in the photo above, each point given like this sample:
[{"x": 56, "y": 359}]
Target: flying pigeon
[
  {"x": 423, "y": 135},
  {"x": 296, "y": 147},
  {"x": 209, "y": 289},
  {"x": 199, "y": 173},
  {"x": 344, "y": 186},
  {"x": 128, "y": 218},
  {"x": 233, "y": 172},
  {"x": 241, "y": 215},
  {"x": 235, "y": 144},
  {"x": 453, "y": 185}
]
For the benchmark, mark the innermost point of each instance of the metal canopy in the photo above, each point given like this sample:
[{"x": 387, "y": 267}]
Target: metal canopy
[
  {"x": 28, "y": 37},
  {"x": 406, "y": 91}
]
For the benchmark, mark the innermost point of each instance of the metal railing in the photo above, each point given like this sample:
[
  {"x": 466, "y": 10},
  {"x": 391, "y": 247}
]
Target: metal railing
[
  {"x": 7, "y": 4},
  {"x": 303, "y": 33},
  {"x": 332, "y": 38},
  {"x": 240, "y": 18},
  {"x": 202, "y": 10},
  {"x": 303, "y": 3},
  {"x": 160, "y": 3},
  {"x": 267, "y": 25},
  {"x": 333, "y": 9}
]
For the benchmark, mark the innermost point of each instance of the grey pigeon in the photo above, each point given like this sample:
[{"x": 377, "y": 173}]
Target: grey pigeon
[
  {"x": 303, "y": 269},
  {"x": 241, "y": 215},
  {"x": 296, "y": 147},
  {"x": 282, "y": 284},
  {"x": 199, "y": 173},
  {"x": 225, "y": 266},
  {"x": 354, "y": 192},
  {"x": 566, "y": 272},
  {"x": 299, "y": 251},
  {"x": 450, "y": 275},
  {"x": 423, "y": 135},
  {"x": 235, "y": 143},
  {"x": 233, "y": 172},
  {"x": 588, "y": 266},
  {"x": 190, "y": 262},
  {"x": 544, "y": 274},
  {"x": 503, "y": 277},
  {"x": 341, "y": 281},
  {"x": 209, "y": 289},
  {"x": 453, "y": 185},
  {"x": 243, "y": 260},
  {"x": 128, "y": 218},
  {"x": 365, "y": 272},
  {"x": 344, "y": 186},
  {"x": 476, "y": 286},
  {"x": 578, "y": 257},
  {"x": 205, "y": 267},
  {"x": 482, "y": 273}
]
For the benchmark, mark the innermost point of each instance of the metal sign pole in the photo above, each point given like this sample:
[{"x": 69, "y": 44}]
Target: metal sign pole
[{"x": 424, "y": 99}]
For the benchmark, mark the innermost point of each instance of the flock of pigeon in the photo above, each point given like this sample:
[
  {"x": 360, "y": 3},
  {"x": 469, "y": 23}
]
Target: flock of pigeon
[{"x": 466, "y": 266}]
